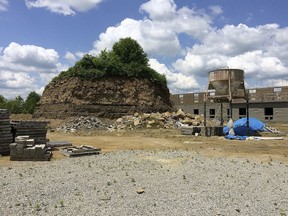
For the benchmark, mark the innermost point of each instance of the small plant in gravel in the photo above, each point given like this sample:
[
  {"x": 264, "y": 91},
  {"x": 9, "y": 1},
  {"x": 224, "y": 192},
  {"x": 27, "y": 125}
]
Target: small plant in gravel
[
  {"x": 61, "y": 203},
  {"x": 37, "y": 207},
  {"x": 133, "y": 180}
]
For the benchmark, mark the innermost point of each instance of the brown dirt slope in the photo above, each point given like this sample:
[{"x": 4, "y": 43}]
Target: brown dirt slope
[{"x": 106, "y": 97}]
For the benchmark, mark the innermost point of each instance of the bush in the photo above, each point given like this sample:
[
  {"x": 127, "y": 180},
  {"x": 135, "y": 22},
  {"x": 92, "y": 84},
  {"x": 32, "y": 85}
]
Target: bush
[{"x": 120, "y": 62}]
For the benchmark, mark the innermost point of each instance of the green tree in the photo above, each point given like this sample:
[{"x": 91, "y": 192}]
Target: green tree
[
  {"x": 129, "y": 51},
  {"x": 3, "y": 102},
  {"x": 15, "y": 105},
  {"x": 32, "y": 99}
]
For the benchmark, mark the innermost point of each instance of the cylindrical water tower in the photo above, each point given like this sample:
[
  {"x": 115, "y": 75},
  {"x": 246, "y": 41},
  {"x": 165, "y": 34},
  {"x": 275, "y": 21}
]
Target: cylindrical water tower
[{"x": 226, "y": 84}]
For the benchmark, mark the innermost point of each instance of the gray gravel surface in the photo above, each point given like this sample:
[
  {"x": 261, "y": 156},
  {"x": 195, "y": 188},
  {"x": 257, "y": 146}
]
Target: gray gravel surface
[{"x": 174, "y": 183}]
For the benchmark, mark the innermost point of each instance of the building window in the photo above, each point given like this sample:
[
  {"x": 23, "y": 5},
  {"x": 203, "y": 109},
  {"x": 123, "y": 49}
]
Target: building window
[
  {"x": 196, "y": 111},
  {"x": 252, "y": 93},
  {"x": 196, "y": 98},
  {"x": 268, "y": 113},
  {"x": 278, "y": 89},
  {"x": 181, "y": 97},
  {"x": 228, "y": 113},
  {"x": 212, "y": 113},
  {"x": 242, "y": 112}
]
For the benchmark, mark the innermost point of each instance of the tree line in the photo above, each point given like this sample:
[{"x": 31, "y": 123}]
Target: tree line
[{"x": 18, "y": 105}]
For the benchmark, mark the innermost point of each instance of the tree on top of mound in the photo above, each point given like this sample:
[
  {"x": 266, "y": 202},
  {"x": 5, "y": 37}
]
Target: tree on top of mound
[{"x": 126, "y": 59}]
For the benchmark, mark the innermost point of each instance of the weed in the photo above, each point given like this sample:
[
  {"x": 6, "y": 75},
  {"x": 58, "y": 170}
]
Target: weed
[
  {"x": 62, "y": 203},
  {"x": 37, "y": 207}
]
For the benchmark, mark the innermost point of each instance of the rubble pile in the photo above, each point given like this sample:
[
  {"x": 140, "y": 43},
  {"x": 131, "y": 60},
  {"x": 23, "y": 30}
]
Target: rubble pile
[
  {"x": 166, "y": 120},
  {"x": 159, "y": 120},
  {"x": 83, "y": 123}
]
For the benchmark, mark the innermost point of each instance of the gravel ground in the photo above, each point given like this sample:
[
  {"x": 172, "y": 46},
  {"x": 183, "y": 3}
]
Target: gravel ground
[{"x": 172, "y": 182}]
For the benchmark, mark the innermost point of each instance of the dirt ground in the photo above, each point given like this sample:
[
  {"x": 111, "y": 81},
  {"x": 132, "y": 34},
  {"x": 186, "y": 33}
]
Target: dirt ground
[{"x": 171, "y": 139}]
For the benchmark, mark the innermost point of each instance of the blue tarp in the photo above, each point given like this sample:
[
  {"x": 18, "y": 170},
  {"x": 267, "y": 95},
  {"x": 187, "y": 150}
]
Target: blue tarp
[{"x": 240, "y": 126}]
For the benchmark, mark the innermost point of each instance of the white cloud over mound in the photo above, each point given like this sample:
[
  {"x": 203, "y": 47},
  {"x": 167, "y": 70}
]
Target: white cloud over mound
[
  {"x": 158, "y": 34},
  {"x": 176, "y": 81},
  {"x": 65, "y": 7}
]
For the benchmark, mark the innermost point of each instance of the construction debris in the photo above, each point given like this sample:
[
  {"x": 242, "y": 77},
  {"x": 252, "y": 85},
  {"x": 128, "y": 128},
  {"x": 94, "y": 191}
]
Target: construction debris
[
  {"x": 79, "y": 151},
  {"x": 146, "y": 120},
  {"x": 25, "y": 149},
  {"x": 83, "y": 123},
  {"x": 158, "y": 120}
]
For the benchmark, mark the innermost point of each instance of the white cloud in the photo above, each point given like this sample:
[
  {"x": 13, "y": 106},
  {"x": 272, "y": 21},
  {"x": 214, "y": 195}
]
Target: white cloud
[
  {"x": 4, "y": 5},
  {"x": 30, "y": 57},
  {"x": 70, "y": 57},
  {"x": 176, "y": 81},
  {"x": 16, "y": 80},
  {"x": 216, "y": 9},
  {"x": 158, "y": 34},
  {"x": 159, "y": 9},
  {"x": 259, "y": 51},
  {"x": 65, "y": 7},
  {"x": 26, "y": 68}
]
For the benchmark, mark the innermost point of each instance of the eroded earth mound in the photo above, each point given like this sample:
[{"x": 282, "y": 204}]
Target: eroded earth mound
[{"x": 106, "y": 97}]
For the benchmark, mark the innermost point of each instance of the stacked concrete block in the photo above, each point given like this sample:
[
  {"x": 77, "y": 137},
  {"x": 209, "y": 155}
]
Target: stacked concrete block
[
  {"x": 25, "y": 149},
  {"x": 5, "y": 132},
  {"x": 36, "y": 130}
]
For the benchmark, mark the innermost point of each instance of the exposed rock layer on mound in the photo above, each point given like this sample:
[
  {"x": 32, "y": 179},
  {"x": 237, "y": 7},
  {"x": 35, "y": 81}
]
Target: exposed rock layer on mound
[{"x": 107, "y": 97}]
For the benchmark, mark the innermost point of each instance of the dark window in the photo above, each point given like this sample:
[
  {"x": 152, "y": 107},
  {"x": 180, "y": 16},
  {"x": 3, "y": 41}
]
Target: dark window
[
  {"x": 196, "y": 111},
  {"x": 212, "y": 113},
  {"x": 242, "y": 111},
  {"x": 268, "y": 111}
]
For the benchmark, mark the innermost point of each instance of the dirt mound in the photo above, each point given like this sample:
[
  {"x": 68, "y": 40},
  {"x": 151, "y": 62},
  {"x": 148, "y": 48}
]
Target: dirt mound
[{"x": 106, "y": 97}]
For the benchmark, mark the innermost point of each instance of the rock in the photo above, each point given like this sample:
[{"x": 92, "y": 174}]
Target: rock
[
  {"x": 136, "y": 122},
  {"x": 119, "y": 120},
  {"x": 180, "y": 114},
  {"x": 140, "y": 190}
]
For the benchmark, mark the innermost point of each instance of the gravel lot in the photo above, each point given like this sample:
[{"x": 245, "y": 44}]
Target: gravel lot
[{"x": 173, "y": 182}]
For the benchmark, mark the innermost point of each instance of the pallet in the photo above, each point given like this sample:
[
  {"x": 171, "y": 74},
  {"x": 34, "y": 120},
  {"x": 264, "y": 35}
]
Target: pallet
[{"x": 79, "y": 151}]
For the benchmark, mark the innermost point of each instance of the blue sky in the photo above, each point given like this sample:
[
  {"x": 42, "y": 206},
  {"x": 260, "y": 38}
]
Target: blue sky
[{"x": 184, "y": 39}]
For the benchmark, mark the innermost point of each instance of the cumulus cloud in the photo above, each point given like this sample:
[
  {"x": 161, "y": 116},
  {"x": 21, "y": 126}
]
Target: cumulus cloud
[
  {"x": 4, "y": 5},
  {"x": 25, "y": 68},
  {"x": 153, "y": 38},
  {"x": 259, "y": 51},
  {"x": 176, "y": 81},
  {"x": 67, "y": 7},
  {"x": 70, "y": 57},
  {"x": 30, "y": 56},
  {"x": 158, "y": 34},
  {"x": 216, "y": 9}
]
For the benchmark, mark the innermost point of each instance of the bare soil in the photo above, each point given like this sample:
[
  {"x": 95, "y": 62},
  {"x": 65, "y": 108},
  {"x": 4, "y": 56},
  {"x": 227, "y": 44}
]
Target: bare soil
[{"x": 171, "y": 139}]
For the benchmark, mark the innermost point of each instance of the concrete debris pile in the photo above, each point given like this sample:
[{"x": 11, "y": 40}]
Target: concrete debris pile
[
  {"x": 166, "y": 120},
  {"x": 159, "y": 120},
  {"x": 25, "y": 149},
  {"x": 83, "y": 123}
]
